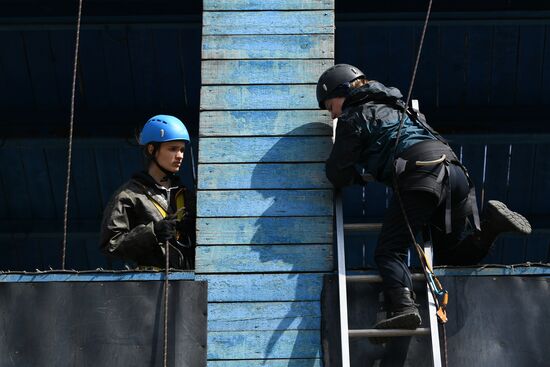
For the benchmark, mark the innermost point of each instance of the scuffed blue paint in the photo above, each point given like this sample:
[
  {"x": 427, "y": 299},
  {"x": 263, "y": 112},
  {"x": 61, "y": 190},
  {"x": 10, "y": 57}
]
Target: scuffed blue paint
[
  {"x": 265, "y": 258},
  {"x": 263, "y": 176},
  {"x": 93, "y": 277},
  {"x": 252, "y": 97},
  {"x": 264, "y": 230},
  {"x": 272, "y": 203},
  {"x": 263, "y": 287},
  {"x": 268, "y": 47},
  {"x": 264, "y": 149},
  {"x": 264, "y": 344},
  {"x": 209, "y": 5},
  {"x": 268, "y": 22}
]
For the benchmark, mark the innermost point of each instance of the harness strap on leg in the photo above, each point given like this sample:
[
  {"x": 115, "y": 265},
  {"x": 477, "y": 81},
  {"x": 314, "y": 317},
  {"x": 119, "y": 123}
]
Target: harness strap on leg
[
  {"x": 400, "y": 165},
  {"x": 473, "y": 204},
  {"x": 448, "y": 202}
]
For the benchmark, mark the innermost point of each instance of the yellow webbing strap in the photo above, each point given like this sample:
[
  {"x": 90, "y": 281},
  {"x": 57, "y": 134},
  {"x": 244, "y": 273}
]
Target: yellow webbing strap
[
  {"x": 180, "y": 204},
  {"x": 158, "y": 206},
  {"x": 180, "y": 208}
]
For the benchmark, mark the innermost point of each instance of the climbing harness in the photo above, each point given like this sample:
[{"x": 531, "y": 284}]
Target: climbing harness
[{"x": 434, "y": 285}]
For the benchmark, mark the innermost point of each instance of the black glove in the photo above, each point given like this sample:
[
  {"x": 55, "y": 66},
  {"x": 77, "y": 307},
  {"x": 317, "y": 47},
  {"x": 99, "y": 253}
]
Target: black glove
[{"x": 165, "y": 229}]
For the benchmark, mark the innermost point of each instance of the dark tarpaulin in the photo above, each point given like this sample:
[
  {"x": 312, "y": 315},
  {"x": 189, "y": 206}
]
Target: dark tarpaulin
[
  {"x": 493, "y": 321},
  {"x": 101, "y": 324}
]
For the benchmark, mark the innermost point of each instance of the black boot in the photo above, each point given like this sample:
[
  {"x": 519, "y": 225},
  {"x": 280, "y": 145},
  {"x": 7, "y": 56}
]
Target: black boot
[
  {"x": 401, "y": 312},
  {"x": 497, "y": 219}
]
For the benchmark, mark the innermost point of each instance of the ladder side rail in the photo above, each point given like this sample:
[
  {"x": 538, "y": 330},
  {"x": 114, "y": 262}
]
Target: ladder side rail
[
  {"x": 342, "y": 281},
  {"x": 432, "y": 311}
]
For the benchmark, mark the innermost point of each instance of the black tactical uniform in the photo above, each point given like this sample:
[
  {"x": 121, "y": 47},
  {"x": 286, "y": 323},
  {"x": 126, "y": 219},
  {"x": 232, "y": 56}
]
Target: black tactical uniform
[
  {"x": 127, "y": 230},
  {"x": 435, "y": 190}
]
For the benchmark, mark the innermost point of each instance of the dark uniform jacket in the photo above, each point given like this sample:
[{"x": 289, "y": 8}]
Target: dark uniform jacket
[
  {"x": 365, "y": 142},
  {"x": 127, "y": 230},
  {"x": 366, "y": 134}
]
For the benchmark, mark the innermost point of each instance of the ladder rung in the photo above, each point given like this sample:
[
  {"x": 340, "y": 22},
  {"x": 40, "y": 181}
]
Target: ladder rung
[
  {"x": 417, "y": 277},
  {"x": 362, "y": 227},
  {"x": 358, "y": 333}
]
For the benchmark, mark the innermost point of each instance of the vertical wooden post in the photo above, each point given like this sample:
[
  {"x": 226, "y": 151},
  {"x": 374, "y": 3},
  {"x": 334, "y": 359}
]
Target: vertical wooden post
[{"x": 265, "y": 207}]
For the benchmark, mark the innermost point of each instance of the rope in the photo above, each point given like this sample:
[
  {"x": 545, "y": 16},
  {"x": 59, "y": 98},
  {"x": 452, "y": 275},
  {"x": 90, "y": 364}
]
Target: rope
[
  {"x": 402, "y": 120},
  {"x": 445, "y": 354},
  {"x": 166, "y": 273},
  {"x": 70, "y": 150},
  {"x": 413, "y": 77}
]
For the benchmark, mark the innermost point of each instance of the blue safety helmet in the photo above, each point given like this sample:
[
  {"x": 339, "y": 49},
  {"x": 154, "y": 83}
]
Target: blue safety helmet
[{"x": 162, "y": 128}]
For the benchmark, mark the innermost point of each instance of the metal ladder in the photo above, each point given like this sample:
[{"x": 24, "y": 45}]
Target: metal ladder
[{"x": 343, "y": 279}]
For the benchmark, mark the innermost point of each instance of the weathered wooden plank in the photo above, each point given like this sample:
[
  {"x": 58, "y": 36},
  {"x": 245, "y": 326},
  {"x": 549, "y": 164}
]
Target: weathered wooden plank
[
  {"x": 263, "y": 71},
  {"x": 264, "y": 258},
  {"x": 264, "y": 316},
  {"x": 496, "y": 185},
  {"x": 209, "y": 5},
  {"x": 21, "y": 96},
  {"x": 264, "y": 230},
  {"x": 263, "y": 287},
  {"x": 530, "y": 62},
  {"x": 39, "y": 186},
  {"x": 56, "y": 158},
  {"x": 264, "y": 344},
  {"x": 40, "y": 64},
  {"x": 18, "y": 202},
  {"x": 478, "y": 64},
  {"x": 540, "y": 195},
  {"x": 264, "y": 149},
  {"x": 89, "y": 194},
  {"x": 263, "y": 176},
  {"x": 302, "y": 362},
  {"x": 272, "y": 203},
  {"x": 268, "y": 22},
  {"x": 254, "y": 97},
  {"x": 268, "y": 47},
  {"x": 522, "y": 178},
  {"x": 238, "y": 123},
  {"x": 452, "y": 88},
  {"x": 545, "y": 79},
  {"x": 504, "y": 70}
]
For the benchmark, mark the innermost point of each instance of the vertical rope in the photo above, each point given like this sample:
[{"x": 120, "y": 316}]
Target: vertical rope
[
  {"x": 71, "y": 124},
  {"x": 413, "y": 77},
  {"x": 445, "y": 352},
  {"x": 166, "y": 273},
  {"x": 407, "y": 101}
]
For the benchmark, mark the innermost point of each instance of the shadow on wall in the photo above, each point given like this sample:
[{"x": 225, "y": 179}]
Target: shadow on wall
[{"x": 288, "y": 239}]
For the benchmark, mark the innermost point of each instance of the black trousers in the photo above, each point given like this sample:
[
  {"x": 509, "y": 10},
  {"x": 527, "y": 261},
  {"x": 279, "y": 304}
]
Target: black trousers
[{"x": 424, "y": 210}]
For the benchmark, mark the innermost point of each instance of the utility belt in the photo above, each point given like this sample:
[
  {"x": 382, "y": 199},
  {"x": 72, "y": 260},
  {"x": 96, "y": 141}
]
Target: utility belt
[{"x": 416, "y": 168}]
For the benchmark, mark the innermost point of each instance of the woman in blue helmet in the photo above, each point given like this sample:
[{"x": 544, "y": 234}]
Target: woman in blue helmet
[
  {"x": 153, "y": 207},
  {"x": 434, "y": 186}
]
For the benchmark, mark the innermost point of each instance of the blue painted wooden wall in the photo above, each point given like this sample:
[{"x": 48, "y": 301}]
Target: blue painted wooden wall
[{"x": 264, "y": 205}]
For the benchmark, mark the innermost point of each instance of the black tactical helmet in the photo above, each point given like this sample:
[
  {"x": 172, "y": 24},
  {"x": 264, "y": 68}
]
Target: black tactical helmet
[{"x": 334, "y": 77}]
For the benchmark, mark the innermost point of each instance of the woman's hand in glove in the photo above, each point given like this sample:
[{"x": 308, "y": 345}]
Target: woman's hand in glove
[{"x": 165, "y": 229}]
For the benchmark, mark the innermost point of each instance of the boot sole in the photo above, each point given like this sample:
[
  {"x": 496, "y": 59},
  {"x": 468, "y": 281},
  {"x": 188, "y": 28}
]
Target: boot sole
[
  {"x": 409, "y": 322},
  {"x": 516, "y": 221}
]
